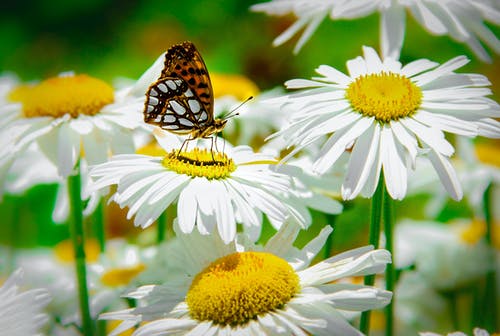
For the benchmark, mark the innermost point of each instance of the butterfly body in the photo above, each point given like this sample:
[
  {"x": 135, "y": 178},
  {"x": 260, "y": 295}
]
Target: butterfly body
[{"x": 181, "y": 100}]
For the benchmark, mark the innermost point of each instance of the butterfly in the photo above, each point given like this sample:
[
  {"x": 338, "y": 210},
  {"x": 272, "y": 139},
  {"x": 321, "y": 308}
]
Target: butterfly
[{"x": 181, "y": 100}]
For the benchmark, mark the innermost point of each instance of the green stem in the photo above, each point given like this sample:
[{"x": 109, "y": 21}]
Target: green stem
[
  {"x": 101, "y": 327},
  {"x": 376, "y": 211},
  {"x": 161, "y": 223},
  {"x": 389, "y": 272},
  {"x": 452, "y": 297},
  {"x": 77, "y": 236},
  {"x": 99, "y": 228},
  {"x": 489, "y": 301},
  {"x": 329, "y": 241}
]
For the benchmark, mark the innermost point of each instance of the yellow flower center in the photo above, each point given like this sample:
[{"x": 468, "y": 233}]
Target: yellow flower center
[
  {"x": 200, "y": 163},
  {"x": 64, "y": 251},
  {"x": 488, "y": 152},
  {"x": 473, "y": 232},
  {"x": 238, "y": 287},
  {"x": 57, "y": 96},
  {"x": 385, "y": 96},
  {"x": 476, "y": 230},
  {"x": 151, "y": 149},
  {"x": 233, "y": 85},
  {"x": 121, "y": 276}
]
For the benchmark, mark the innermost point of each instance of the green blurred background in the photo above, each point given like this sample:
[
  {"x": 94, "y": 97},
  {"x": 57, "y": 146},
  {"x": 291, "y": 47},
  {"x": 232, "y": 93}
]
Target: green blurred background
[{"x": 110, "y": 39}]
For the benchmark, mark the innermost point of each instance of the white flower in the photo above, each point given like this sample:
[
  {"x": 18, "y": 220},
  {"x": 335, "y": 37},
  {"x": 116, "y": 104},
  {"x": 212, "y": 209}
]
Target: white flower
[
  {"x": 32, "y": 168},
  {"x": 109, "y": 275},
  {"x": 418, "y": 306},
  {"x": 476, "y": 332},
  {"x": 317, "y": 192},
  {"x": 255, "y": 121},
  {"x": 462, "y": 20},
  {"x": 384, "y": 114},
  {"x": 447, "y": 256},
  {"x": 477, "y": 168},
  {"x": 305, "y": 300},
  {"x": 210, "y": 188},
  {"x": 21, "y": 312},
  {"x": 69, "y": 116}
]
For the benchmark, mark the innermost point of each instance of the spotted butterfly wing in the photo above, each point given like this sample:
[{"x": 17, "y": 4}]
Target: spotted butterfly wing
[{"x": 181, "y": 100}]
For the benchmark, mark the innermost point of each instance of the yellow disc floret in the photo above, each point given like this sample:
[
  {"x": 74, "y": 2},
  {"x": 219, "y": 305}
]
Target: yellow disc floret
[
  {"x": 57, "y": 96},
  {"x": 238, "y": 287},
  {"x": 233, "y": 85},
  {"x": 64, "y": 251},
  {"x": 385, "y": 96},
  {"x": 200, "y": 163},
  {"x": 488, "y": 152},
  {"x": 121, "y": 276}
]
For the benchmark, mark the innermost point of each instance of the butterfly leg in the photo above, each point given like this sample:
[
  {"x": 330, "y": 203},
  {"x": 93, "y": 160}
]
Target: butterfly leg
[{"x": 185, "y": 142}]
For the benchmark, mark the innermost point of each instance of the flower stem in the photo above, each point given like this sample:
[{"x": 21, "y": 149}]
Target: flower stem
[
  {"x": 100, "y": 231},
  {"x": 161, "y": 226},
  {"x": 490, "y": 302},
  {"x": 329, "y": 241},
  {"x": 452, "y": 297},
  {"x": 376, "y": 211},
  {"x": 390, "y": 279},
  {"x": 77, "y": 236}
]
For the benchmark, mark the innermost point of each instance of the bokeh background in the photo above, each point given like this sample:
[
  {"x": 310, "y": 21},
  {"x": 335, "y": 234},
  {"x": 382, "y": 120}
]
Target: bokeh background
[{"x": 113, "y": 39}]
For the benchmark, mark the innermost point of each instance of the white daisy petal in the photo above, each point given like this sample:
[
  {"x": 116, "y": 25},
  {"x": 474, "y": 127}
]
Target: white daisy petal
[
  {"x": 447, "y": 123},
  {"x": 333, "y": 75},
  {"x": 373, "y": 62},
  {"x": 306, "y": 35},
  {"x": 489, "y": 128},
  {"x": 338, "y": 143},
  {"x": 361, "y": 162},
  {"x": 187, "y": 205},
  {"x": 446, "y": 173},
  {"x": 406, "y": 139},
  {"x": 147, "y": 185},
  {"x": 69, "y": 148},
  {"x": 392, "y": 29},
  {"x": 442, "y": 70},
  {"x": 393, "y": 165},
  {"x": 431, "y": 136},
  {"x": 163, "y": 326},
  {"x": 418, "y": 66},
  {"x": 312, "y": 309}
]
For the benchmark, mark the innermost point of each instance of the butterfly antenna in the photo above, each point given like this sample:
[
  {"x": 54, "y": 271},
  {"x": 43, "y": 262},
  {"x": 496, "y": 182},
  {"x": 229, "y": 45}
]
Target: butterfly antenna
[{"x": 231, "y": 113}]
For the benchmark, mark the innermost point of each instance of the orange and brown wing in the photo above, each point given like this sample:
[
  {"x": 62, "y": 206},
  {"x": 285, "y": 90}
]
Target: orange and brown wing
[
  {"x": 185, "y": 62},
  {"x": 181, "y": 100},
  {"x": 171, "y": 104}
]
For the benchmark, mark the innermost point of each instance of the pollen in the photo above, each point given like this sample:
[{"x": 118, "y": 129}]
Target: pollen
[
  {"x": 241, "y": 286},
  {"x": 54, "y": 97},
  {"x": 385, "y": 96},
  {"x": 121, "y": 276},
  {"x": 200, "y": 163}
]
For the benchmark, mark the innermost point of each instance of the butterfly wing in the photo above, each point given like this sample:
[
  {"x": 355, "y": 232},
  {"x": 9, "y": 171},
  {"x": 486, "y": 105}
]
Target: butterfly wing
[{"x": 181, "y": 100}]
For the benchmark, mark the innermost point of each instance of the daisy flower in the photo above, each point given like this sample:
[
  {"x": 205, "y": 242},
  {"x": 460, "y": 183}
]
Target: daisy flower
[
  {"x": 109, "y": 275},
  {"x": 419, "y": 306},
  {"x": 437, "y": 248},
  {"x": 32, "y": 168},
  {"x": 382, "y": 115},
  {"x": 243, "y": 288},
  {"x": 476, "y": 332},
  {"x": 69, "y": 116},
  {"x": 477, "y": 167},
  {"x": 210, "y": 188},
  {"x": 463, "y": 20},
  {"x": 21, "y": 312}
]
